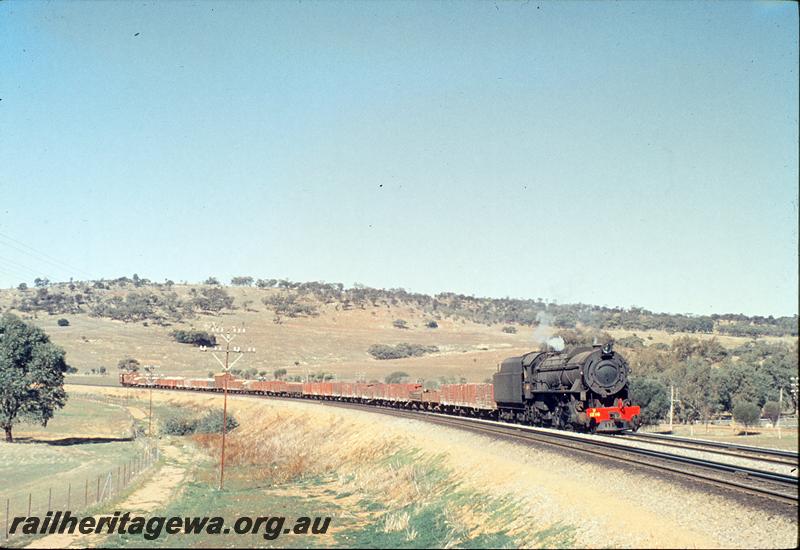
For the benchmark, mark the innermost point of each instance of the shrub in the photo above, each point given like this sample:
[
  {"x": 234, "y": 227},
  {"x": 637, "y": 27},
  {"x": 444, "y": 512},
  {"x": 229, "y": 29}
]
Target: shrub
[
  {"x": 772, "y": 411},
  {"x": 195, "y": 337},
  {"x": 400, "y": 323},
  {"x": 510, "y": 330},
  {"x": 747, "y": 414},
  {"x": 396, "y": 377},
  {"x": 211, "y": 422},
  {"x": 183, "y": 422},
  {"x": 432, "y": 324},
  {"x": 630, "y": 342},
  {"x": 651, "y": 396},
  {"x": 400, "y": 351},
  {"x": 63, "y": 322}
]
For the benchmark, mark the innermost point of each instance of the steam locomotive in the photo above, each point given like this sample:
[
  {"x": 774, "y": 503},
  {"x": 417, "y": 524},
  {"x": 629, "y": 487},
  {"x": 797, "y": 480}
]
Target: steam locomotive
[{"x": 585, "y": 389}]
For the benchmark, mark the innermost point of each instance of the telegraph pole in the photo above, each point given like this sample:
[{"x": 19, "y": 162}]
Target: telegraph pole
[
  {"x": 672, "y": 402},
  {"x": 151, "y": 379},
  {"x": 228, "y": 335}
]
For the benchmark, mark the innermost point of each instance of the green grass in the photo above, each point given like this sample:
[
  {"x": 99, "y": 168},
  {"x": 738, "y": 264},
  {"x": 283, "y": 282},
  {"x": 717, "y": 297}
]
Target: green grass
[
  {"x": 359, "y": 519},
  {"x": 85, "y": 440}
]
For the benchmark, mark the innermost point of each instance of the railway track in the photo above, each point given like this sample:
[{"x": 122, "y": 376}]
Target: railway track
[
  {"x": 763, "y": 454},
  {"x": 779, "y": 487}
]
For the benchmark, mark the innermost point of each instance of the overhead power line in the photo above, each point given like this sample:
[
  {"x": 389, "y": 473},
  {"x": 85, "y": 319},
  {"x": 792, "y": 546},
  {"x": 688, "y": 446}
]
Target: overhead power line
[{"x": 40, "y": 256}]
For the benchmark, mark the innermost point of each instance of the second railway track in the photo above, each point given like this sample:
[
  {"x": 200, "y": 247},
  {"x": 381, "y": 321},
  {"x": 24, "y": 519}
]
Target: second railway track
[
  {"x": 763, "y": 454},
  {"x": 771, "y": 485}
]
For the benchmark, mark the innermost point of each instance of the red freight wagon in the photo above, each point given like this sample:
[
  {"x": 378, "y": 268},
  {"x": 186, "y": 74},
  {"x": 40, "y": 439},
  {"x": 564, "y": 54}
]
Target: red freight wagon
[
  {"x": 399, "y": 392},
  {"x": 200, "y": 383},
  {"x": 232, "y": 382},
  {"x": 432, "y": 396},
  {"x": 476, "y": 396},
  {"x": 365, "y": 391},
  {"x": 260, "y": 385},
  {"x": 168, "y": 381},
  {"x": 294, "y": 388},
  {"x": 318, "y": 388}
]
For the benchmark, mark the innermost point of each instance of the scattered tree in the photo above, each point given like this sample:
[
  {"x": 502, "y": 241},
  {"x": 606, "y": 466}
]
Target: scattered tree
[
  {"x": 195, "y": 337},
  {"x": 63, "y": 322},
  {"x": 31, "y": 374},
  {"x": 747, "y": 414},
  {"x": 772, "y": 411},
  {"x": 279, "y": 373},
  {"x": 129, "y": 364},
  {"x": 396, "y": 377},
  {"x": 652, "y": 397}
]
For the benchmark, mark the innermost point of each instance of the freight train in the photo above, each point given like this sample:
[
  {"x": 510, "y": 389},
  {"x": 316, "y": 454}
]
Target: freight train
[{"x": 584, "y": 389}]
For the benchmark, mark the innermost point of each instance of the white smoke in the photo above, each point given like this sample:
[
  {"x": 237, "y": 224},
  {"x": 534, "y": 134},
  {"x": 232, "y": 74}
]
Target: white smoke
[
  {"x": 543, "y": 334},
  {"x": 556, "y": 343}
]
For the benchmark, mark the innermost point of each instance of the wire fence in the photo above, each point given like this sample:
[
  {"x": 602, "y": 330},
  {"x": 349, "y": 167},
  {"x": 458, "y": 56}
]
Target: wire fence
[{"x": 83, "y": 495}]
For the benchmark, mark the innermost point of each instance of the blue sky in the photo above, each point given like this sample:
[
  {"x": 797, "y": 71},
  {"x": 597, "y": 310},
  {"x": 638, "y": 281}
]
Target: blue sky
[{"x": 630, "y": 153}]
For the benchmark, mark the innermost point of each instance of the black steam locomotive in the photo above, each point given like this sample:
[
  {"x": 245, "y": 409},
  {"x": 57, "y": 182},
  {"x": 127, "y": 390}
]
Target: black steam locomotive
[{"x": 584, "y": 389}]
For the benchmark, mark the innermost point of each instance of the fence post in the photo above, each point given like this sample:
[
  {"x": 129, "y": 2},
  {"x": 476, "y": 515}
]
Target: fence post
[
  {"x": 86, "y": 494},
  {"x": 7, "y": 509},
  {"x": 69, "y": 493},
  {"x": 97, "y": 494},
  {"x": 119, "y": 480},
  {"x": 29, "y": 505},
  {"x": 50, "y": 499}
]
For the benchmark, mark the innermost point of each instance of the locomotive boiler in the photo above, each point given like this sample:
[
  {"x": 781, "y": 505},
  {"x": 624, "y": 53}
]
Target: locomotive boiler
[{"x": 583, "y": 389}]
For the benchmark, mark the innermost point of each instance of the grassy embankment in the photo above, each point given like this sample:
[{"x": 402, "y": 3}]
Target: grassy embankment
[
  {"x": 86, "y": 439},
  {"x": 378, "y": 492}
]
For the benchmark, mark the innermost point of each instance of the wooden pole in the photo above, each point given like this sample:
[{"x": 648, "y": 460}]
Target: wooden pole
[{"x": 671, "y": 405}]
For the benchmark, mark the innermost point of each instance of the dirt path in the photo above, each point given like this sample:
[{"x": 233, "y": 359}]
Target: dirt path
[{"x": 153, "y": 494}]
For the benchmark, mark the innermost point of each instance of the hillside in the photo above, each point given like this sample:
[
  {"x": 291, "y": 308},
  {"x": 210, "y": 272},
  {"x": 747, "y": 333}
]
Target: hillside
[{"x": 305, "y": 328}]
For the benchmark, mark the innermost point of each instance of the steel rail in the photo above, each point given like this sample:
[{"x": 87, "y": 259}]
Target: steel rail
[
  {"x": 583, "y": 445},
  {"x": 676, "y": 441},
  {"x": 569, "y": 441}
]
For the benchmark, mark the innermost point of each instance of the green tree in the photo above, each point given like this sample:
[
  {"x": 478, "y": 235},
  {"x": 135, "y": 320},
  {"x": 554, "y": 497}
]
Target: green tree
[
  {"x": 772, "y": 410},
  {"x": 746, "y": 414},
  {"x": 214, "y": 299},
  {"x": 396, "y": 377},
  {"x": 279, "y": 373},
  {"x": 31, "y": 374},
  {"x": 244, "y": 280},
  {"x": 651, "y": 396},
  {"x": 129, "y": 364}
]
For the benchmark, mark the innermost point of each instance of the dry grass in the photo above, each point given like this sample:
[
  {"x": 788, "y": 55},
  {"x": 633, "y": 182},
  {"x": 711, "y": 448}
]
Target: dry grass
[{"x": 335, "y": 341}]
